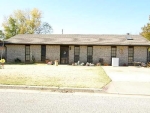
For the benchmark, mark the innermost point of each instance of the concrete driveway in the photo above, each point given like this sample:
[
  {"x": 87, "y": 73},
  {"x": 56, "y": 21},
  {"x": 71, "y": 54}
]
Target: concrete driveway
[{"x": 128, "y": 80}]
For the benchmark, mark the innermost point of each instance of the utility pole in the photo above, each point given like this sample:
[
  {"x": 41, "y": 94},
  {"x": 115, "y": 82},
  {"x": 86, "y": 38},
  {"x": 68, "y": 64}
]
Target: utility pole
[{"x": 62, "y": 31}]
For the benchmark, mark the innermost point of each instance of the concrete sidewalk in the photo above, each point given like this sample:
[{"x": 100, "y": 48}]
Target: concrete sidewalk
[{"x": 128, "y": 80}]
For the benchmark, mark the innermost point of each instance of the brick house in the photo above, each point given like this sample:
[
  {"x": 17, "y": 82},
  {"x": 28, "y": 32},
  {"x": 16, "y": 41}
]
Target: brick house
[{"x": 69, "y": 48}]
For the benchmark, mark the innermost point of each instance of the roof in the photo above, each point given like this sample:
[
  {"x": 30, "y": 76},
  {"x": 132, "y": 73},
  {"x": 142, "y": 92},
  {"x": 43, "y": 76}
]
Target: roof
[{"x": 77, "y": 39}]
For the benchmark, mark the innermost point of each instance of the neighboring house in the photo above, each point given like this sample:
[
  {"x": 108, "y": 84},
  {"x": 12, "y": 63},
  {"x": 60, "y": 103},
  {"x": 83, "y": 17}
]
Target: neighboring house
[{"x": 69, "y": 48}]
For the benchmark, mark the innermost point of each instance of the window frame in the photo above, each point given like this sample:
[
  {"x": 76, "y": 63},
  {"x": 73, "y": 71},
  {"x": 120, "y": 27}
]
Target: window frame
[
  {"x": 43, "y": 53},
  {"x": 27, "y": 53},
  {"x": 130, "y": 55},
  {"x": 76, "y": 56},
  {"x": 113, "y": 52},
  {"x": 89, "y": 54}
]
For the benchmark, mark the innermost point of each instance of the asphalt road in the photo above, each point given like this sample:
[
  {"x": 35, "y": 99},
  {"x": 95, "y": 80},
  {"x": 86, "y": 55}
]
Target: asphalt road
[{"x": 18, "y": 101}]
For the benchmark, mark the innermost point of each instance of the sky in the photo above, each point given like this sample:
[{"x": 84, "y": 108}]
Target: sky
[{"x": 86, "y": 16}]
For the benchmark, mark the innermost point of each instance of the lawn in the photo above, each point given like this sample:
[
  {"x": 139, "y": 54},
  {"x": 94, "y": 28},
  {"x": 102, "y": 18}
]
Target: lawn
[{"x": 54, "y": 76}]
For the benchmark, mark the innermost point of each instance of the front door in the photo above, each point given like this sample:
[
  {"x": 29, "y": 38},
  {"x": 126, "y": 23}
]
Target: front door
[{"x": 64, "y": 54}]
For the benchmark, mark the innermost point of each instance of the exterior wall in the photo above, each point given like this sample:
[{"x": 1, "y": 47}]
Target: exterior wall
[
  {"x": 83, "y": 53},
  {"x": 71, "y": 54},
  {"x": 35, "y": 50},
  {"x": 140, "y": 54},
  {"x": 53, "y": 52},
  {"x": 102, "y": 52},
  {"x": 3, "y": 50},
  {"x": 122, "y": 54},
  {"x": 15, "y": 51}
]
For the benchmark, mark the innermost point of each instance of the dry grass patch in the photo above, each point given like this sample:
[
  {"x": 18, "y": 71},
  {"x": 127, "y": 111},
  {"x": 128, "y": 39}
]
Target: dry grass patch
[{"x": 61, "y": 76}]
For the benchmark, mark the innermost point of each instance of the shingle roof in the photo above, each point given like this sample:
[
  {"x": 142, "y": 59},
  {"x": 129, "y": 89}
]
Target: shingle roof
[{"x": 77, "y": 39}]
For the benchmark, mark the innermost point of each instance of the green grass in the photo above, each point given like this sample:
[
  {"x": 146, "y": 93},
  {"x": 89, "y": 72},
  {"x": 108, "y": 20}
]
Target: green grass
[{"x": 97, "y": 79}]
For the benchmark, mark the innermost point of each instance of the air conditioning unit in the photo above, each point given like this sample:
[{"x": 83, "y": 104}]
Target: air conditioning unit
[{"x": 115, "y": 62}]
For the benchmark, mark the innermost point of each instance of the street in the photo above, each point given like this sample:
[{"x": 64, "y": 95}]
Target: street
[{"x": 25, "y": 101}]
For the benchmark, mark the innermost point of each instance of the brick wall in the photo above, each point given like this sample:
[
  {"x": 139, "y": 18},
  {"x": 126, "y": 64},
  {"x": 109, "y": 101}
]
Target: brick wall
[
  {"x": 71, "y": 54},
  {"x": 83, "y": 53},
  {"x": 15, "y": 51},
  {"x": 35, "y": 50},
  {"x": 53, "y": 52},
  {"x": 140, "y": 54},
  {"x": 122, "y": 54},
  {"x": 102, "y": 52}
]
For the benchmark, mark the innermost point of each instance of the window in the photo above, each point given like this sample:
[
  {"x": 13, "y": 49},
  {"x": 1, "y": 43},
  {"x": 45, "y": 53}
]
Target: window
[
  {"x": 113, "y": 51},
  {"x": 130, "y": 55},
  {"x": 43, "y": 52},
  {"x": 27, "y": 52},
  {"x": 90, "y": 54},
  {"x": 76, "y": 53}
]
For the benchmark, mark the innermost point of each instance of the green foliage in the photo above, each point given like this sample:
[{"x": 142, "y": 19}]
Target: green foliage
[
  {"x": 33, "y": 59},
  {"x": 24, "y": 22},
  {"x": 146, "y": 31},
  {"x": 17, "y": 60},
  {"x": 1, "y": 34},
  {"x": 10, "y": 28}
]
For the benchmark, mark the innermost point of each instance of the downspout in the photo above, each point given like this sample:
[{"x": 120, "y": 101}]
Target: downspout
[
  {"x": 148, "y": 54},
  {"x": 5, "y": 52}
]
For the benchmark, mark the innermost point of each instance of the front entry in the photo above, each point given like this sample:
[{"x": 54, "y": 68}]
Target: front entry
[{"x": 64, "y": 54}]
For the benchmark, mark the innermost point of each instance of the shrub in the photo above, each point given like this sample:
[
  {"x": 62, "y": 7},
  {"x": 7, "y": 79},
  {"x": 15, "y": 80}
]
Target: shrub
[
  {"x": 33, "y": 59},
  {"x": 17, "y": 60}
]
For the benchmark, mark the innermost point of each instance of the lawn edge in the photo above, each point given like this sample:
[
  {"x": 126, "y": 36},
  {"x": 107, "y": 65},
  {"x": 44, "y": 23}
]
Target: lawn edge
[{"x": 52, "y": 89}]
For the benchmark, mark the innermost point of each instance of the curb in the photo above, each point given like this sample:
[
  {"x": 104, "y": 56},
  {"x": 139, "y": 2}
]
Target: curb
[
  {"x": 53, "y": 89},
  {"x": 65, "y": 89}
]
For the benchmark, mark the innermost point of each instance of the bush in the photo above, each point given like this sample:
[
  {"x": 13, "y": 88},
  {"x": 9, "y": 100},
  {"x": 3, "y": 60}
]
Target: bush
[
  {"x": 33, "y": 59},
  {"x": 17, "y": 60}
]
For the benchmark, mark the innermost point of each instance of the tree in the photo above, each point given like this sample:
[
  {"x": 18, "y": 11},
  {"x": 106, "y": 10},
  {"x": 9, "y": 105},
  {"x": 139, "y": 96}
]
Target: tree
[
  {"x": 45, "y": 28},
  {"x": 25, "y": 22},
  {"x": 1, "y": 34},
  {"x": 10, "y": 28},
  {"x": 146, "y": 31}
]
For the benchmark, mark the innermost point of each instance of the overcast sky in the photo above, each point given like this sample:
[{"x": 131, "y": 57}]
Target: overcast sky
[{"x": 86, "y": 16}]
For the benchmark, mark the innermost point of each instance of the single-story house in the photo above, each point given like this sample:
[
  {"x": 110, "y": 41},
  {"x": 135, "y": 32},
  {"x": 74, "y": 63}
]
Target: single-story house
[{"x": 69, "y": 48}]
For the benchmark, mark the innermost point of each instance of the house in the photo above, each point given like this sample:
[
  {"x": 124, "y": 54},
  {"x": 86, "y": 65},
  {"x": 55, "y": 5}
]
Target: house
[{"x": 69, "y": 48}]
